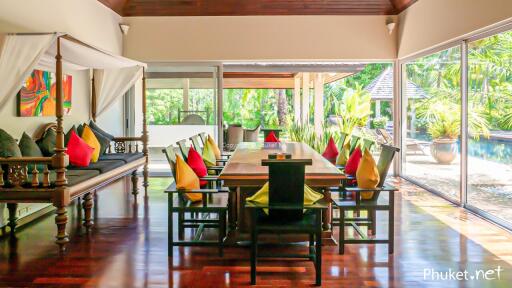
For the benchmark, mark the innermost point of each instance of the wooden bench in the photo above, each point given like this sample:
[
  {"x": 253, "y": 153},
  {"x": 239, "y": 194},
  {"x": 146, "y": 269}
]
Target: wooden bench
[{"x": 61, "y": 186}]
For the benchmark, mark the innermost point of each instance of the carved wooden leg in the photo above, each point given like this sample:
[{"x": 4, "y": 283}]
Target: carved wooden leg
[
  {"x": 145, "y": 173},
  {"x": 87, "y": 205},
  {"x": 61, "y": 219},
  {"x": 12, "y": 207},
  {"x": 135, "y": 184}
]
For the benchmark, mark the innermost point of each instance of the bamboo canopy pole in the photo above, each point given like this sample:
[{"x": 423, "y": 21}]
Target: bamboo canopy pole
[
  {"x": 145, "y": 137},
  {"x": 93, "y": 99}
]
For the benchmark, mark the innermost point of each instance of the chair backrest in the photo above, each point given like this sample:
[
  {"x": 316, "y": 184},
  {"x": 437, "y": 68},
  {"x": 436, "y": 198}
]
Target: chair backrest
[
  {"x": 354, "y": 141},
  {"x": 367, "y": 144},
  {"x": 170, "y": 154},
  {"x": 286, "y": 187},
  {"x": 203, "y": 136},
  {"x": 385, "y": 159},
  {"x": 235, "y": 134},
  {"x": 343, "y": 137},
  {"x": 385, "y": 134},
  {"x": 251, "y": 135},
  {"x": 196, "y": 142},
  {"x": 182, "y": 144}
]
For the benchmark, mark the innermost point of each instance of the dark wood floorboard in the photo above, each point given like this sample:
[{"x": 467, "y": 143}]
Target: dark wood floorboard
[{"x": 128, "y": 248}]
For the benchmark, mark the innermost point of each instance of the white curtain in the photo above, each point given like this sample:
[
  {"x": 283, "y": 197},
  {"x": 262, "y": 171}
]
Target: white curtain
[
  {"x": 111, "y": 84},
  {"x": 19, "y": 54}
]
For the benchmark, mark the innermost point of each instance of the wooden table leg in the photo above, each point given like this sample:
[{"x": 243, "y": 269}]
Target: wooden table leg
[
  {"x": 327, "y": 215},
  {"x": 233, "y": 204}
]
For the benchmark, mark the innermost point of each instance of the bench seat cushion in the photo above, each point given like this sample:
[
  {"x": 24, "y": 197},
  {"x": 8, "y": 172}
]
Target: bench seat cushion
[
  {"x": 102, "y": 166},
  {"x": 125, "y": 157}
]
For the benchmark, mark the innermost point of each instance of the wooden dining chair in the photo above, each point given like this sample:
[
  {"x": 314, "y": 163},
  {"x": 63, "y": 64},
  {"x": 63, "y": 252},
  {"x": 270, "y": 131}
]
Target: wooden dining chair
[
  {"x": 354, "y": 141},
  {"x": 371, "y": 206},
  {"x": 182, "y": 144},
  {"x": 286, "y": 213},
  {"x": 184, "y": 152},
  {"x": 204, "y": 137},
  {"x": 211, "y": 212}
]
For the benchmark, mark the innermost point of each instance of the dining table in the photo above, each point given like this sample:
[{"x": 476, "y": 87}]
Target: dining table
[{"x": 244, "y": 175}]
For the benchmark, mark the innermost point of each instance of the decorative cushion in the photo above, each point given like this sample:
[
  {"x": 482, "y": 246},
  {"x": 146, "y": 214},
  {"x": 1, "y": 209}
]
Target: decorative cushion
[
  {"x": 353, "y": 162},
  {"x": 101, "y": 131},
  {"x": 213, "y": 145},
  {"x": 48, "y": 143},
  {"x": 104, "y": 141},
  {"x": 78, "y": 151},
  {"x": 91, "y": 140},
  {"x": 261, "y": 197},
  {"x": 195, "y": 161},
  {"x": 29, "y": 148},
  {"x": 80, "y": 130},
  {"x": 343, "y": 156},
  {"x": 66, "y": 137},
  {"x": 8, "y": 146},
  {"x": 271, "y": 137},
  {"x": 187, "y": 179},
  {"x": 209, "y": 155},
  {"x": 125, "y": 157},
  {"x": 367, "y": 174},
  {"x": 331, "y": 151}
]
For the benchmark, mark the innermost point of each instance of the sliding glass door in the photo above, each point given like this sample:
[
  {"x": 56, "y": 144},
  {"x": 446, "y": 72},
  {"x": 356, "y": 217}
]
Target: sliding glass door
[
  {"x": 431, "y": 93},
  {"x": 490, "y": 125},
  {"x": 439, "y": 118}
]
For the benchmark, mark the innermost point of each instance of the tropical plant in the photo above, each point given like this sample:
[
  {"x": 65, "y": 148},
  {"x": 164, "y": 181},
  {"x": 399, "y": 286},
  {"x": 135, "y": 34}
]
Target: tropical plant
[
  {"x": 353, "y": 110},
  {"x": 380, "y": 122}
]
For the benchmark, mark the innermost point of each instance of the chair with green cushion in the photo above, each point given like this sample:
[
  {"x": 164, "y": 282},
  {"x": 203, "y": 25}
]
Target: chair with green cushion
[
  {"x": 286, "y": 213},
  {"x": 201, "y": 214},
  {"x": 371, "y": 206}
]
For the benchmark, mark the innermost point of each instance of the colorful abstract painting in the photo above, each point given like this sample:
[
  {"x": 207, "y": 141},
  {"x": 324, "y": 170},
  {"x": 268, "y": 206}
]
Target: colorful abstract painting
[{"x": 38, "y": 94}]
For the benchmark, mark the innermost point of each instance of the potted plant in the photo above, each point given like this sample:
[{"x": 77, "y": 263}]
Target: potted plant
[{"x": 441, "y": 113}]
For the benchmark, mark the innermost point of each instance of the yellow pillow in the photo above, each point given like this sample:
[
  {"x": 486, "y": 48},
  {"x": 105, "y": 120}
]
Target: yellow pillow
[
  {"x": 91, "y": 140},
  {"x": 344, "y": 155},
  {"x": 209, "y": 155},
  {"x": 186, "y": 178},
  {"x": 213, "y": 147},
  {"x": 367, "y": 174},
  {"x": 261, "y": 197}
]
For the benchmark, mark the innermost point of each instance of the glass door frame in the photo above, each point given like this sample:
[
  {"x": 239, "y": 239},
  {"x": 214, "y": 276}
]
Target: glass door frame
[{"x": 400, "y": 120}]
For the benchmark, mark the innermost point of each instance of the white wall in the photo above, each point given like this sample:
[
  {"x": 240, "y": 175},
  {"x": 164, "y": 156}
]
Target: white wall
[
  {"x": 259, "y": 38},
  {"x": 87, "y": 20},
  {"x": 429, "y": 23}
]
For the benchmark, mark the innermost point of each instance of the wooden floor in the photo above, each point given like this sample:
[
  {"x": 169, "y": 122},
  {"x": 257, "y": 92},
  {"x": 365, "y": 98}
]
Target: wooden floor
[{"x": 128, "y": 248}]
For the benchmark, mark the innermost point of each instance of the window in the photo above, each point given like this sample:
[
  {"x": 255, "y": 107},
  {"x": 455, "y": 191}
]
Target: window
[{"x": 432, "y": 103}]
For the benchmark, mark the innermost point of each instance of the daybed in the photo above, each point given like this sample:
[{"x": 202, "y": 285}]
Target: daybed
[{"x": 58, "y": 183}]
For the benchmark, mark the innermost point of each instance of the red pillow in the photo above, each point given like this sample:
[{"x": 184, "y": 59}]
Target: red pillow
[
  {"x": 79, "y": 152},
  {"x": 271, "y": 137},
  {"x": 195, "y": 161},
  {"x": 353, "y": 162},
  {"x": 331, "y": 151}
]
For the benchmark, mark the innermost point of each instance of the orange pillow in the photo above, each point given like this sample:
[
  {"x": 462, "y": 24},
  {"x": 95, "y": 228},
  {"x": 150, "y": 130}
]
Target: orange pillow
[
  {"x": 367, "y": 174},
  {"x": 91, "y": 140},
  {"x": 187, "y": 179},
  {"x": 214, "y": 147}
]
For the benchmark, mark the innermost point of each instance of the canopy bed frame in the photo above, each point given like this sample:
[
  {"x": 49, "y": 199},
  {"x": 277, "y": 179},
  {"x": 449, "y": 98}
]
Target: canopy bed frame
[{"x": 18, "y": 184}]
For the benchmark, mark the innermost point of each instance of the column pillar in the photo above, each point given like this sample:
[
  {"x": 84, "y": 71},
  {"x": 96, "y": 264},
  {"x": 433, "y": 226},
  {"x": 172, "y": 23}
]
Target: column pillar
[
  {"x": 296, "y": 99},
  {"x": 319, "y": 103},
  {"x": 305, "y": 98}
]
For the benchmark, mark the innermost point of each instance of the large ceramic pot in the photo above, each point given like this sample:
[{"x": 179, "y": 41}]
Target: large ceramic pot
[{"x": 444, "y": 150}]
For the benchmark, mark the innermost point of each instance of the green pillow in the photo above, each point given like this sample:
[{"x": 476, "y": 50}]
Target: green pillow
[
  {"x": 80, "y": 130},
  {"x": 8, "y": 146},
  {"x": 104, "y": 141},
  {"x": 68, "y": 135},
  {"x": 101, "y": 131},
  {"x": 29, "y": 148},
  {"x": 48, "y": 143}
]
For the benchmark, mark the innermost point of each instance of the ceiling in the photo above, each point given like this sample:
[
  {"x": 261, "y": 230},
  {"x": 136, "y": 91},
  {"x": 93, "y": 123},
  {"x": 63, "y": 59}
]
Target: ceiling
[{"x": 256, "y": 7}]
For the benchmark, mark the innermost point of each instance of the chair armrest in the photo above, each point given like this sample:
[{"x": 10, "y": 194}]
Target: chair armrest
[
  {"x": 219, "y": 168},
  {"x": 340, "y": 167},
  {"x": 359, "y": 190},
  {"x": 209, "y": 178}
]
